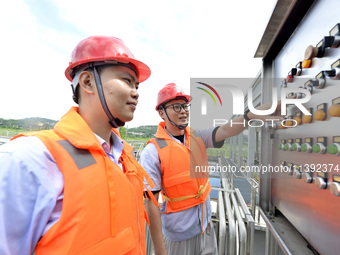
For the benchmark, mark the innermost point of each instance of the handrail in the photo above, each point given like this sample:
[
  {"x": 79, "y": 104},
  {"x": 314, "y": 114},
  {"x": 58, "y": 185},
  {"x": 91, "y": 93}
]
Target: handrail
[
  {"x": 231, "y": 226},
  {"x": 231, "y": 220},
  {"x": 275, "y": 234},
  {"x": 241, "y": 226},
  {"x": 250, "y": 222},
  {"x": 222, "y": 224}
]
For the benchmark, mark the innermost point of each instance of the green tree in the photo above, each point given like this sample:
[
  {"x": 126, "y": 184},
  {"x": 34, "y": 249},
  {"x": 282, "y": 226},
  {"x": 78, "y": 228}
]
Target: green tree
[{"x": 122, "y": 131}]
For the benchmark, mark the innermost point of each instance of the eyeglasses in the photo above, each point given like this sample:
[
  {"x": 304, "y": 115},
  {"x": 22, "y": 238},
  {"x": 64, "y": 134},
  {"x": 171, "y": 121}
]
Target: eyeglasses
[{"x": 178, "y": 107}]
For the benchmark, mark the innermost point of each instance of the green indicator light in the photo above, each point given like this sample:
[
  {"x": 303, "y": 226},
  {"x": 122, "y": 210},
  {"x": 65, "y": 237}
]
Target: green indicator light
[
  {"x": 316, "y": 148},
  {"x": 280, "y": 146},
  {"x": 332, "y": 149},
  {"x": 304, "y": 147},
  {"x": 294, "y": 147},
  {"x": 286, "y": 147}
]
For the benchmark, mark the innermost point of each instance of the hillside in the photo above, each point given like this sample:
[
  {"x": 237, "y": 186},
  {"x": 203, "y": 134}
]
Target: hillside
[
  {"x": 27, "y": 124},
  {"x": 138, "y": 133},
  {"x": 15, "y": 126}
]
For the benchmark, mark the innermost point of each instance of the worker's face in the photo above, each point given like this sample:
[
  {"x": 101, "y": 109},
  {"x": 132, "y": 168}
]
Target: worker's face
[
  {"x": 179, "y": 117},
  {"x": 120, "y": 86}
]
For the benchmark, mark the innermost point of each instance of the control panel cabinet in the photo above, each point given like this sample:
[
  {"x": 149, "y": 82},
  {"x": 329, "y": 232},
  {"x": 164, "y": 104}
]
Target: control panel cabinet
[{"x": 308, "y": 191}]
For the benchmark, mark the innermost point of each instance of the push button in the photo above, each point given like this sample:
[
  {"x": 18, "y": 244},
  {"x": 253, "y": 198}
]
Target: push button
[
  {"x": 334, "y": 148},
  {"x": 306, "y": 63},
  {"x": 297, "y": 118},
  {"x": 297, "y": 145},
  {"x": 289, "y": 121},
  {"x": 320, "y": 146},
  {"x": 320, "y": 113},
  {"x": 289, "y": 78},
  {"x": 307, "y": 147},
  {"x": 334, "y": 110},
  {"x": 281, "y": 146},
  {"x": 308, "y": 118},
  {"x": 288, "y": 145}
]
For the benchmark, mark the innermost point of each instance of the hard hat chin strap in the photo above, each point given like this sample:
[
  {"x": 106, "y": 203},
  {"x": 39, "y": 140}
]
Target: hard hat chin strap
[
  {"x": 181, "y": 127},
  {"x": 114, "y": 122}
]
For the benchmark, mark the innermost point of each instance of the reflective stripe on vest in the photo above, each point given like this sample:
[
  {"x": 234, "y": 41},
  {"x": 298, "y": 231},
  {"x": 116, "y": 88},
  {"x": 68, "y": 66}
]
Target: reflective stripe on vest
[{"x": 81, "y": 157}]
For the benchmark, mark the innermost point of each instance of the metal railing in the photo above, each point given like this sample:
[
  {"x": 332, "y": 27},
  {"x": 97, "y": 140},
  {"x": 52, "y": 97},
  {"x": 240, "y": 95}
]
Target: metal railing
[
  {"x": 240, "y": 222},
  {"x": 137, "y": 148}
]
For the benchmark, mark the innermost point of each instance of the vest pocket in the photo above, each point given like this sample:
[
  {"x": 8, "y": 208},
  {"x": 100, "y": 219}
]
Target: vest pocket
[
  {"x": 177, "y": 179},
  {"x": 122, "y": 243},
  {"x": 179, "y": 186}
]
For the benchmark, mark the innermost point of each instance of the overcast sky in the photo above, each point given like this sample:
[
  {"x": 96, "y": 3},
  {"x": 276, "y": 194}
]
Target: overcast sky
[{"x": 178, "y": 40}]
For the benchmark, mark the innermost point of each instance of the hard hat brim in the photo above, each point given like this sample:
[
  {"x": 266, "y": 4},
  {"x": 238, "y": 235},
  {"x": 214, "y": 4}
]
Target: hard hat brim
[{"x": 143, "y": 70}]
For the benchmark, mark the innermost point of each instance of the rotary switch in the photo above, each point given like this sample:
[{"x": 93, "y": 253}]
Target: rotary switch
[
  {"x": 296, "y": 172},
  {"x": 335, "y": 185},
  {"x": 335, "y": 72},
  {"x": 307, "y": 175},
  {"x": 315, "y": 52},
  {"x": 321, "y": 180}
]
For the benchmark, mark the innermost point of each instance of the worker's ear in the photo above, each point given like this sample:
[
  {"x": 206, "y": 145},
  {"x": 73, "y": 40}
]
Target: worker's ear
[
  {"x": 162, "y": 114},
  {"x": 87, "y": 82}
]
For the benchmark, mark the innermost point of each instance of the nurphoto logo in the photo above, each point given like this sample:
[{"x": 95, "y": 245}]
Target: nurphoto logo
[{"x": 213, "y": 93}]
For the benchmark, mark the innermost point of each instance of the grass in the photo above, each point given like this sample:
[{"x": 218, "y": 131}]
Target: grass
[{"x": 10, "y": 132}]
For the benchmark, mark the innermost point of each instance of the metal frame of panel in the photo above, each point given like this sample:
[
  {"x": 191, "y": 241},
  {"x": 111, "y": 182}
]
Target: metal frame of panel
[{"x": 312, "y": 211}]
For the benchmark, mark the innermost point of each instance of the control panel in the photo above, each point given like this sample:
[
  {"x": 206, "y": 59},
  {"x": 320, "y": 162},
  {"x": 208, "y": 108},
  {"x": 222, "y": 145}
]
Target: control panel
[{"x": 307, "y": 147}]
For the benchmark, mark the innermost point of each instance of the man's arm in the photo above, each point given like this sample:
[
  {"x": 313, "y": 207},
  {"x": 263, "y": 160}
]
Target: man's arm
[
  {"x": 149, "y": 160},
  {"x": 229, "y": 130},
  {"x": 30, "y": 184},
  {"x": 155, "y": 226}
]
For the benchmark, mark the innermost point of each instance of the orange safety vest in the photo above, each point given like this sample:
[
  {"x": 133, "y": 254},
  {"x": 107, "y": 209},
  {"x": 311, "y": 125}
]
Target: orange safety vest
[
  {"x": 185, "y": 176},
  {"x": 103, "y": 210}
]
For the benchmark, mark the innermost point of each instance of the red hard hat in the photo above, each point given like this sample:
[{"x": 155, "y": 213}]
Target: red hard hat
[
  {"x": 169, "y": 92},
  {"x": 106, "y": 49}
]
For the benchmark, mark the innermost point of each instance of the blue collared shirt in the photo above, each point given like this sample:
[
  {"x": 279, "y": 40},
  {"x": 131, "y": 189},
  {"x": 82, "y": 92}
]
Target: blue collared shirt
[{"x": 31, "y": 192}]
